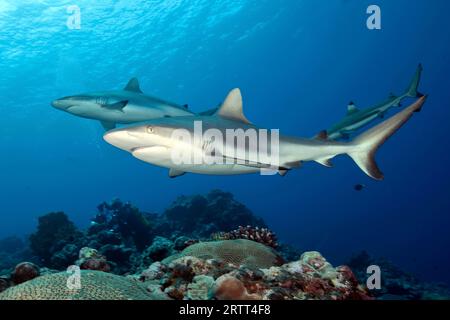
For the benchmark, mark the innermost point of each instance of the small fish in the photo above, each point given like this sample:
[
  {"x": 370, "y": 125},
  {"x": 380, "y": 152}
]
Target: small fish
[{"x": 359, "y": 187}]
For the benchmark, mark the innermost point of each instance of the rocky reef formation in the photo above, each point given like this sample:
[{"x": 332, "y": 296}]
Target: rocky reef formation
[
  {"x": 395, "y": 283},
  {"x": 13, "y": 250},
  {"x": 196, "y": 249},
  {"x": 129, "y": 239},
  {"x": 194, "y": 278},
  {"x": 200, "y": 216},
  {"x": 55, "y": 241}
]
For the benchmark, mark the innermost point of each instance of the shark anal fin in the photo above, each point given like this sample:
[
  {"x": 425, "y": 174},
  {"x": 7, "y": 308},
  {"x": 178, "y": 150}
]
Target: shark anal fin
[
  {"x": 173, "y": 173},
  {"x": 116, "y": 106},
  {"x": 108, "y": 125},
  {"x": 133, "y": 86}
]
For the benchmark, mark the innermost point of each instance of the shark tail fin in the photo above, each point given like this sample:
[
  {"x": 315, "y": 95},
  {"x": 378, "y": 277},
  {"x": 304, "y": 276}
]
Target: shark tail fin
[
  {"x": 413, "y": 87},
  {"x": 365, "y": 145}
]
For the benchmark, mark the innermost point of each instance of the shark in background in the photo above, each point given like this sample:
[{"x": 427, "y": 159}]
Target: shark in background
[
  {"x": 155, "y": 142},
  {"x": 126, "y": 106},
  {"x": 357, "y": 118}
]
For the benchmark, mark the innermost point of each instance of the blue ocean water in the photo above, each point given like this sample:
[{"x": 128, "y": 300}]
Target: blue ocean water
[{"x": 298, "y": 64}]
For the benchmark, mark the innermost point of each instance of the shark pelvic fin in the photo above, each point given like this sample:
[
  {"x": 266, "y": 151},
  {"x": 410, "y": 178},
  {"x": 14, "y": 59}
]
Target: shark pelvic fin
[
  {"x": 325, "y": 162},
  {"x": 352, "y": 108},
  {"x": 108, "y": 125},
  {"x": 232, "y": 107},
  {"x": 116, "y": 106},
  {"x": 173, "y": 173},
  {"x": 133, "y": 86}
]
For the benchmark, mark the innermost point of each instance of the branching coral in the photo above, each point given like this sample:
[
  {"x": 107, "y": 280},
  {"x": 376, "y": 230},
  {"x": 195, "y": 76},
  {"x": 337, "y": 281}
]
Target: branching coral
[{"x": 261, "y": 235}]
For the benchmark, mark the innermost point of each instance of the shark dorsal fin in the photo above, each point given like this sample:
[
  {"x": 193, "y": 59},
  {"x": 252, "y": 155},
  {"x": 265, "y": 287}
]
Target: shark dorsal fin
[
  {"x": 133, "y": 85},
  {"x": 232, "y": 107},
  {"x": 352, "y": 108}
]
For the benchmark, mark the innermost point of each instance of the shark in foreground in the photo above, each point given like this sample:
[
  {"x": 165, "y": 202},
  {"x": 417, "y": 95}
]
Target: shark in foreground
[
  {"x": 125, "y": 106},
  {"x": 357, "y": 118},
  {"x": 154, "y": 143}
]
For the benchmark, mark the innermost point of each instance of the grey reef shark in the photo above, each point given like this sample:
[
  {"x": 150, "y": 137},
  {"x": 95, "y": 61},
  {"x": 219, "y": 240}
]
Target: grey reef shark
[
  {"x": 126, "y": 106},
  {"x": 155, "y": 142},
  {"x": 357, "y": 118}
]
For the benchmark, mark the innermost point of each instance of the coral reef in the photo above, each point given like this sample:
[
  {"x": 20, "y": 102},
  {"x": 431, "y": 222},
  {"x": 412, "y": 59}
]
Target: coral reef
[
  {"x": 231, "y": 288},
  {"x": 124, "y": 222},
  {"x": 25, "y": 271},
  {"x": 95, "y": 285},
  {"x": 395, "y": 283},
  {"x": 130, "y": 254},
  {"x": 199, "y": 216},
  {"x": 261, "y": 235},
  {"x": 13, "y": 250},
  {"x": 311, "y": 277},
  {"x": 55, "y": 232},
  {"x": 91, "y": 259},
  {"x": 161, "y": 248},
  {"x": 237, "y": 252}
]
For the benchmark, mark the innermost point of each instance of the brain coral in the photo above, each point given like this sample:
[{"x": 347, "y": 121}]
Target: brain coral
[
  {"x": 238, "y": 252},
  {"x": 95, "y": 285}
]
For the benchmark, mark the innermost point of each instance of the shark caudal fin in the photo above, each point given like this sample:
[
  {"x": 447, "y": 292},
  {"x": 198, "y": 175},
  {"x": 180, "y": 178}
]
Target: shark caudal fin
[
  {"x": 366, "y": 144},
  {"x": 413, "y": 87}
]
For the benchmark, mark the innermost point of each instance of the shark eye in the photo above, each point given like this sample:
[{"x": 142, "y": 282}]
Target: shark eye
[{"x": 150, "y": 129}]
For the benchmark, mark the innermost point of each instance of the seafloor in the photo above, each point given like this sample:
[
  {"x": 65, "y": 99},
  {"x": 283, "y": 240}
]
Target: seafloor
[{"x": 201, "y": 247}]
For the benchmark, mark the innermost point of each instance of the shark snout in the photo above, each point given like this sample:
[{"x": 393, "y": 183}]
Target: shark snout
[
  {"x": 61, "y": 104},
  {"x": 123, "y": 139}
]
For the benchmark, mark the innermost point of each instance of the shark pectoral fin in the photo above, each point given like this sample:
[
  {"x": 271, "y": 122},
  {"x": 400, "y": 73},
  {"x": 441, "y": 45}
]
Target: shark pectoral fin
[
  {"x": 108, "y": 125},
  {"x": 283, "y": 171},
  {"x": 133, "y": 86},
  {"x": 116, "y": 106},
  {"x": 173, "y": 173},
  {"x": 325, "y": 162},
  {"x": 352, "y": 108}
]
